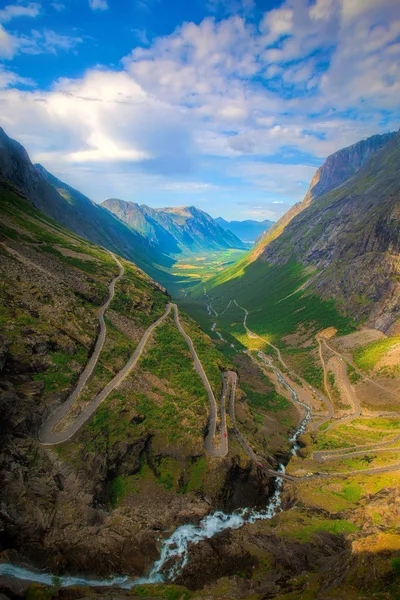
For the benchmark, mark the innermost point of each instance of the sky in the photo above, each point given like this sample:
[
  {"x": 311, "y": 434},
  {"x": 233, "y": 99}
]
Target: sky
[{"x": 228, "y": 105}]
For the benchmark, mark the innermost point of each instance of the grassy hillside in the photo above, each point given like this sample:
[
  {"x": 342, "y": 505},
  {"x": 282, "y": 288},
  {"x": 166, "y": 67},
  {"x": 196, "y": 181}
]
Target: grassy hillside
[{"x": 274, "y": 297}]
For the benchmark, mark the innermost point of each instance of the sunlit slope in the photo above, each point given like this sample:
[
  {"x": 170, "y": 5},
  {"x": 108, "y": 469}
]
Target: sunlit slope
[
  {"x": 276, "y": 299},
  {"x": 335, "y": 263}
]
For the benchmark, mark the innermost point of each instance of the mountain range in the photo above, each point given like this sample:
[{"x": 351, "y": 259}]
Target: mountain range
[
  {"x": 174, "y": 230},
  {"x": 146, "y": 236},
  {"x": 247, "y": 231}
]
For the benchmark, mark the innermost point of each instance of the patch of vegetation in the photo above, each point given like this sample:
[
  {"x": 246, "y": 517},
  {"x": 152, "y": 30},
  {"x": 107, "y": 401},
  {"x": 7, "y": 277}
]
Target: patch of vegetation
[
  {"x": 63, "y": 371},
  {"x": 353, "y": 375},
  {"x": 348, "y": 436},
  {"x": 169, "y": 358},
  {"x": 366, "y": 357},
  {"x": 137, "y": 299},
  {"x": 378, "y": 423},
  {"x": 335, "y": 526},
  {"x": 165, "y": 591},
  {"x": 269, "y": 293},
  {"x": 303, "y": 363},
  {"x": 351, "y": 492},
  {"x": 270, "y": 401},
  {"x": 197, "y": 472},
  {"x": 120, "y": 487},
  {"x": 36, "y": 591}
]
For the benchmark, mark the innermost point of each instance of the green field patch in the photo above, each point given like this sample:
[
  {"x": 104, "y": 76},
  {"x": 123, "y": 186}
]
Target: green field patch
[
  {"x": 135, "y": 299},
  {"x": 369, "y": 460},
  {"x": 348, "y": 436},
  {"x": 63, "y": 370},
  {"x": 298, "y": 525},
  {"x": 354, "y": 376},
  {"x": 366, "y": 357},
  {"x": 270, "y": 401},
  {"x": 378, "y": 423},
  {"x": 269, "y": 293}
]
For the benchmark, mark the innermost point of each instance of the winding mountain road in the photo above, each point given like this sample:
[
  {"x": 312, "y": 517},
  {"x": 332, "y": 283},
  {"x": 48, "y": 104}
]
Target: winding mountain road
[
  {"x": 327, "y": 401},
  {"x": 346, "y": 384},
  {"x": 221, "y": 450},
  {"x": 46, "y": 431},
  {"x": 49, "y": 437},
  {"x": 321, "y": 456}
]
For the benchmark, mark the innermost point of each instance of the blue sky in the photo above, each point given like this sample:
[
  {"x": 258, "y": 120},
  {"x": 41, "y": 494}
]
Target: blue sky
[{"x": 226, "y": 104}]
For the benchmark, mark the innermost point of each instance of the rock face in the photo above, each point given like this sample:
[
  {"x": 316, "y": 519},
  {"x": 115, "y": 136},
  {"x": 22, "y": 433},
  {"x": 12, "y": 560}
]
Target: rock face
[
  {"x": 337, "y": 168},
  {"x": 174, "y": 229},
  {"x": 351, "y": 234}
]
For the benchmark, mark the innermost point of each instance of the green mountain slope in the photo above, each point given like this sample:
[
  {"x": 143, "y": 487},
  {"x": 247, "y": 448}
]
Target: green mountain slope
[
  {"x": 74, "y": 210},
  {"x": 175, "y": 230},
  {"x": 341, "y": 248}
]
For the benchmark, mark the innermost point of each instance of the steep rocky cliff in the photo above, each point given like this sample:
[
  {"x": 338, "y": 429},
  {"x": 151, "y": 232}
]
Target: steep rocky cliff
[
  {"x": 351, "y": 234},
  {"x": 336, "y": 169}
]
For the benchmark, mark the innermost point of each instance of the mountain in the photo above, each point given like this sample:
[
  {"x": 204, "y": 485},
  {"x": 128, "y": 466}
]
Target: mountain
[
  {"x": 174, "y": 230},
  {"x": 74, "y": 210},
  {"x": 340, "y": 244},
  {"x": 337, "y": 168},
  {"x": 247, "y": 231}
]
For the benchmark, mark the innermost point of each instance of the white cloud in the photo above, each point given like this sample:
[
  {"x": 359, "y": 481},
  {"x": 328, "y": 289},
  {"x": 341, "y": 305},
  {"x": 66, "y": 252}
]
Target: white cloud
[
  {"x": 98, "y": 4},
  {"x": 19, "y": 10},
  {"x": 142, "y": 37},
  {"x": 7, "y": 44},
  {"x": 103, "y": 118},
  {"x": 277, "y": 23},
  {"x": 58, "y": 6},
  {"x": 276, "y": 178},
  {"x": 9, "y": 78},
  {"x": 323, "y": 10},
  {"x": 39, "y": 42},
  {"x": 249, "y": 95}
]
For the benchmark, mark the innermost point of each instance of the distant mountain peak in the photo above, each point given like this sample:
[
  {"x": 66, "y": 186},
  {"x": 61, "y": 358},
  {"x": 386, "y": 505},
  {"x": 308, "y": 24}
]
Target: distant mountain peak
[
  {"x": 248, "y": 230},
  {"x": 175, "y": 228}
]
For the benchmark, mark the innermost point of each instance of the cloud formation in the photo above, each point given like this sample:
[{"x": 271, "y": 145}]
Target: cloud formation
[
  {"x": 98, "y": 4},
  {"x": 228, "y": 107},
  {"x": 12, "y": 11}
]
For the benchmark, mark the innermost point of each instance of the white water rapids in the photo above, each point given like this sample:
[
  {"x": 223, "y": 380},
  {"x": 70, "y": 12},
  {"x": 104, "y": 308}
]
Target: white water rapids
[
  {"x": 174, "y": 553},
  {"x": 175, "y": 549}
]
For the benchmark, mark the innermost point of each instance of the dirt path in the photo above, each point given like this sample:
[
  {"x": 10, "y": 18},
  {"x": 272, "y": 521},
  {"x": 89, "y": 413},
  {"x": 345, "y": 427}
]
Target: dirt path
[
  {"x": 351, "y": 396},
  {"x": 361, "y": 373},
  {"x": 46, "y": 435}
]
